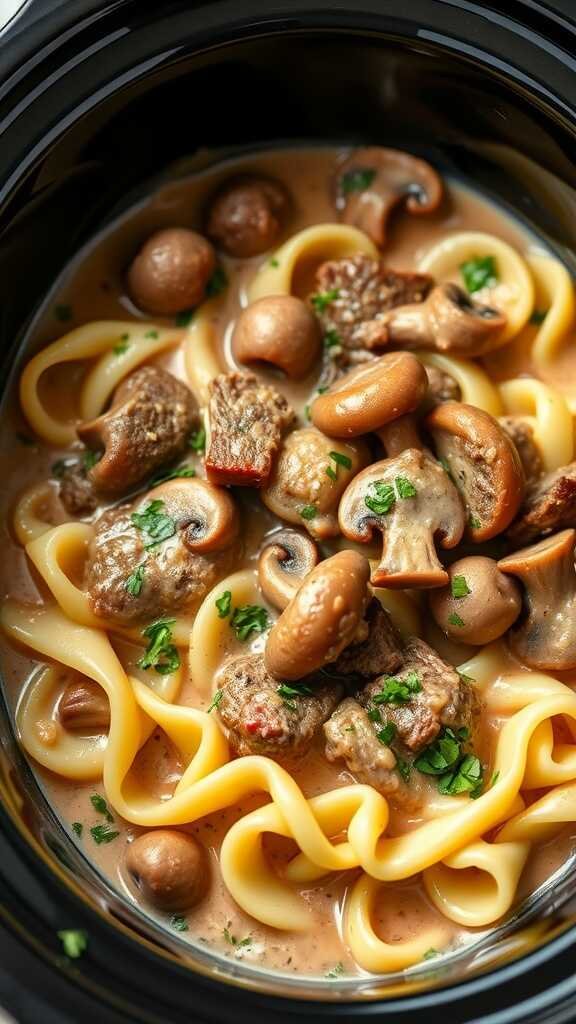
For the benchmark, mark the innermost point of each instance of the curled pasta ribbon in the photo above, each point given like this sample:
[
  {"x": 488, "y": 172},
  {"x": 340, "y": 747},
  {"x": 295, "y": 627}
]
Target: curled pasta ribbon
[
  {"x": 555, "y": 297},
  {"x": 549, "y": 414},
  {"x": 30, "y": 518},
  {"x": 544, "y": 818},
  {"x": 480, "y": 901},
  {"x": 475, "y": 385},
  {"x": 200, "y": 349},
  {"x": 513, "y": 293},
  {"x": 94, "y": 341},
  {"x": 312, "y": 245}
]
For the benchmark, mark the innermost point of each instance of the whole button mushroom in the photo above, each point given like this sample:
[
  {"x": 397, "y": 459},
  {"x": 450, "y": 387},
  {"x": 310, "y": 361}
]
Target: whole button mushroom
[
  {"x": 413, "y": 503},
  {"x": 482, "y": 462},
  {"x": 447, "y": 321},
  {"x": 372, "y": 181},
  {"x": 171, "y": 271},
  {"x": 285, "y": 561},
  {"x": 545, "y": 637},
  {"x": 246, "y": 216},
  {"x": 322, "y": 618},
  {"x": 371, "y": 396},
  {"x": 84, "y": 707},
  {"x": 479, "y": 604},
  {"x": 170, "y": 868},
  {"x": 281, "y": 330}
]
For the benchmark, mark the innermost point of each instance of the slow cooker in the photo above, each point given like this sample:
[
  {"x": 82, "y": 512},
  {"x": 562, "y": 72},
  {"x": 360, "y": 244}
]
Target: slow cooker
[{"x": 98, "y": 96}]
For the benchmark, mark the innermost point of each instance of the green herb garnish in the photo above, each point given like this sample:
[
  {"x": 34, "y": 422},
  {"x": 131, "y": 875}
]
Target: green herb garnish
[
  {"x": 341, "y": 460},
  {"x": 403, "y": 768},
  {"x": 474, "y": 522},
  {"x": 154, "y": 523},
  {"x": 466, "y": 779},
  {"x": 151, "y": 334},
  {"x": 332, "y": 473},
  {"x": 78, "y": 828},
  {"x": 99, "y": 804},
  {"x": 273, "y": 262},
  {"x": 336, "y": 971},
  {"x": 89, "y": 459},
  {"x": 331, "y": 339},
  {"x": 479, "y": 273},
  {"x": 197, "y": 440},
  {"x": 382, "y": 498},
  {"x": 439, "y": 756},
  {"x": 178, "y": 923},
  {"x": 308, "y": 512},
  {"x": 459, "y": 587},
  {"x": 103, "y": 834},
  {"x": 322, "y": 300},
  {"x": 465, "y": 678},
  {"x": 161, "y": 654},
  {"x": 217, "y": 283},
  {"x": 405, "y": 487},
  {"x": 290, "y": 693},
  {"x": 74, "y": 942},
  {"x": 494, "y": 779},
  {"x": 455, "y": 620},
  {"x": 387, "y": 734},
  {"x": 307, "y": 412},
  {"x": 122, "y": 346},
  {"x": 216, "y": 701},
  {"x": 357, "y": 180},
  {"x": 135, "y": 581},
  {"x": 224, "y": 604},
  {"x": 248, "y": 619},
  {"x": 397, "y": 691},
  {"x": 184, "y": 318},
  {"x": 430, "y": 954},
  {"x": 233, "y": 941}
]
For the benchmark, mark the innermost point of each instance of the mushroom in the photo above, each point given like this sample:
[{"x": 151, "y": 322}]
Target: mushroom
[
  {"x": 286, "y": 559},
  {"x": 205, "y": 514},
  {"x": 521, "y": 431},
  {"x": 309, "y": 477},
  {"x": 170, "y": 867},
  {"x": 483, "y": 463},
  {"x": 372, "y": 181},
  {"x": 171, "y": 271},
  {"x": 84, "y": 707},
  {"x": 413, "y": 503},
  {"x": 400, "y": 434},
  {"x": 245, "y": 216},
  {"x": 281, "y": 330},
  {"x": 447, "y": 321},
  {"x": 323, "y": 617},
  {"x": 372, "y": 395},
  {"x": 545, "y": 637},
  {"x": 479, "y": 604}
]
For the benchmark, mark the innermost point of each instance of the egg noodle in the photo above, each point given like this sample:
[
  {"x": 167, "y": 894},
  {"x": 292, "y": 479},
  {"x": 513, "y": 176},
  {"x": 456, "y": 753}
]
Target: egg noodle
[{"x": 347, "y": 828}]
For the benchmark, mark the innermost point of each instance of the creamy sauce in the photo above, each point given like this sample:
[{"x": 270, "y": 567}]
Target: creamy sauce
[{"x": 93, "y": 289}]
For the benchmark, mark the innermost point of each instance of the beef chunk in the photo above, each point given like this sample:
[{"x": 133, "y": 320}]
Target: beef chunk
[
  {"x": 442, "y": 387},
  {"x": 146, "y": 426},
  {"x": 549, "y": 505},
  {"x": 443, "y": 698},
  {"x": 246, "y": 420},
  {"x": 366, "y": 289},
  {"x": 351, "y": 736},
  {"x": 379, "y": 653},
  {"x": 259, "y": 720},
  {"x": 77, "y": 492},
  {"x": 521, "y": 432}
]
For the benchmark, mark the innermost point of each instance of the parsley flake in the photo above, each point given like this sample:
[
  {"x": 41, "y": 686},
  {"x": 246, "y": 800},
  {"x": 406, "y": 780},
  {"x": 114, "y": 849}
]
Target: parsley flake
[
  {"x": 479, "y": 273},
  {"x": 439, "y": 756},
  {"x": 455, "y": 620},
  {"x": 357, "y": 180},
  {"x": 290, "y": 693},
  {"x": 151, "y": 334},
  {"x": 308, "y": 512},
  {"x": 89, "y": 459},
  {"x": 135, "y": 581},
  {"x": 430, "y": 953},
  {"x": 465, "y": 678},
  {"x": 178, "y": 923},
  {"x": 74, "y": 942},
  {"x": 273, "y": 262},
  {"x": 197, "y": 440},
  {"x": 322, "y": 300},
  {"x": 341, "y": 460},
  {"x": 404, "y": 487},
  {"x": 403, "y": 768},
  {"x": 122, "y": 346},
  {"x": 459, "y": 587},
  {"x": 103, "y": 834},
  {"x": 336, "y": 971},
  {"x": 332, "y": 473},
  {"x": 494, "y": 779},
  {"x": 233, "y": 941},
  {"x": 161, "y": 654},
  {"x": 224, "y": 604},
  {"x": 99, "y": 804},
  {"x": 382, "y": 498},
  {"x": 331, "y": 339},
  {"x": 387, "y": 734},
  {"x": 466, "y": 779},
  {"x": 248, "y": 619},
  {"x": 397, "y": 691},
  {"x": 78, "y": 828},
  {"x": 216, "y": 701},
  {"x": 154, "y": 523}
]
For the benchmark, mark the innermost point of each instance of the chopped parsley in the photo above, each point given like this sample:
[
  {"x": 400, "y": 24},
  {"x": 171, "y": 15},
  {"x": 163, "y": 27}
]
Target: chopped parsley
[
  {"x": 455, "y": 620},
  {"x": 63, "y": 312},
  {"x": 78, "y": 828},
  {"x": 430, "y": 953},
  {"x": 405, "y": 487},
  {"x": 151, "y": 334},
  {"x": 103, "y": 834},
  {"x": 494, "y": 779},
  {"x": 135, "y": 581},
  {"x": 154, "y": 523},
  {"x": 474, "y": 522},
  {"x": 184, "y": 318},
  {"x": 308, "y": 512},
  {"x": 178, "y": 923},
  {"x": 459, "y": 587},
  {"x": 273, "y": 262},
  {"x": 331, "y": 339},
  {"x": 398, "y": 691},
  {"x": 467, "y": 778},
  {"x": 99, "y": 804},
  {"x": 387, "y": 734},
  {"x": 341, "y": 460},
  {"x": 323, "y": 389},
  {"x": 307, "y": 412},
  {"x": 357, "y": 180},
  {"x": 291, "y": 693},
  {"x": 122, "y": 346},
  {"x": 89, "y": 459},
  {"x": 332, "y": 473},
  {"x": 173, "y": 474},
  {"x": 216, "y": 701},
  {"x": 197, "y": 440},
  {"x": 322, "y": 300},
  {"x": 538, "y": 316},
  {"x": 248, "y": 619},
  {"x": 217, "y": 283},
  {"x": 479, "y": 273},
  {"x": 233, "y": 941},
  {"x": 74, "y": 942},
  {"x": 224, "y": 604},
  {"x": 161, "y": 654},
  {"x": 403, "y": 768},
  {"x": 457, "y": 772},
  {"x": 336, "y": 971},
  {"x": 439, "y": 756},
  {"x": 382, "y": 498}
]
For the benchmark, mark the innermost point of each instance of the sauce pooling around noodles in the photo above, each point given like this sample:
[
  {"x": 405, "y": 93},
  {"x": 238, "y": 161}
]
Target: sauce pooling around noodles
[{"x": 289, "y": 560}]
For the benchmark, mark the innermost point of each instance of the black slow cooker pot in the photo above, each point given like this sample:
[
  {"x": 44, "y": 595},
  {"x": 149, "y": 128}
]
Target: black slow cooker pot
[{"x": 96, "y": 97}]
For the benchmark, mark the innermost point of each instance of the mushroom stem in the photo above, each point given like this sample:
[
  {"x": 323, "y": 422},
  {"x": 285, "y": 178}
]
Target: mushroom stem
[
  {"x": 447, "y": 321},
  {"x": 399, "y": 435},
  {"x": 546, "y": 636},
  {"x": 206, "y": 513},
  {"x": 285, "y": 561}
]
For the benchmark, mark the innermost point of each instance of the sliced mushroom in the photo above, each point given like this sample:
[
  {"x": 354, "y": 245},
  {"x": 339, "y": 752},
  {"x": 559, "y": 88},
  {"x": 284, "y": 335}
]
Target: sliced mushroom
[
  {"x": 371, "y": 396},
  {"x": 479, "y": 604},
  {"x": 171, "y": 271},
  {"x": 309, "y": 477},
  {"x": 281, "y": 330},
  {"x": 447, "y": 321},
  {"x": 285, "y": 561},
  {"x": 321, "y": 619},
  {"x": 482, "y": 462},
  {"x": 413, "y": 503},
  {"x": 170, "y": 867},
  {"x": 372, "y": 181},
  {"x": 546, "y": 636},
  {"x": 206, "y": 514},
  {"x": 84, "y": 707}
]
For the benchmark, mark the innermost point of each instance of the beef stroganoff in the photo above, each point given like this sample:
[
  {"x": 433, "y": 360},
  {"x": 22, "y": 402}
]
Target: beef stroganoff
[{"x": 289, "y": 579}]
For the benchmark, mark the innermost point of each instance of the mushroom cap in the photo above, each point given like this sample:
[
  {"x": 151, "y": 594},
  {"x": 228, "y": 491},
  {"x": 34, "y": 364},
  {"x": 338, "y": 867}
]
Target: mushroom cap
[
  {"x": 322, "y": 618},
  {"x": 484, "y": 464},
  {"x": 286, "y": 559},
  {"x": 412, "y": 502},
  {"x": 246, "y": 214},
  {"x": 281, "y": 330},
  {"x": 206, "y": 513},
  {"x": 371, "y": 396},
  {"x": 84, "y": 707},
  {"x": 170, "y": 272},
  {"x": 392, "y": 177},
  {"x": 447, "y": 321},
  {"x": 479, "y": 604},
  {"x": 170, "y": 867}
]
